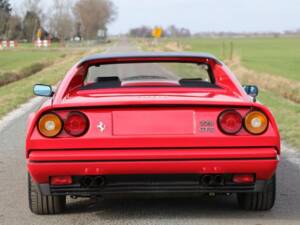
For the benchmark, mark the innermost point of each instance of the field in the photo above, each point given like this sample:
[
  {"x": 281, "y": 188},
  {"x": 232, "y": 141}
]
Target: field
[
  {"x": 270, "y": 63},
  {"x": 16, "y": 60},
  {"x": 23, "y": 67},
  {"x": 278, "y": 56}
]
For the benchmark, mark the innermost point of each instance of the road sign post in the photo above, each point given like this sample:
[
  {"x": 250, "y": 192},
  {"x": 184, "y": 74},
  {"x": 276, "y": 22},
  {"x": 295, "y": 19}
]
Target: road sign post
[{"x": 157, "y": 34}]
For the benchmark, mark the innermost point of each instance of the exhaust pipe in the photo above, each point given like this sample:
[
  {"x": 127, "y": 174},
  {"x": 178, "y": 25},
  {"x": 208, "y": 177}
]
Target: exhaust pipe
[
  {"x": 207, "y": 180},
  {"x": 86, "y": 182},
  {"x": 92, "y": 182},
  {"x": 219, "y": 180},
  {"x": 211, "y": 180},
  {"x": 98, "y": 181}
]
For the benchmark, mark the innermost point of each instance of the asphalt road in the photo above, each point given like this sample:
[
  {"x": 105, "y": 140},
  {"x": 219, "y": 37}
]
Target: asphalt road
[{"x": 219, "y": 210}]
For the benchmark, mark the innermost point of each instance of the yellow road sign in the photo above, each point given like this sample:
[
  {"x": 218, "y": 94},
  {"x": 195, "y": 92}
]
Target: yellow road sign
[
  {"x": 39, "y": 34},
  {"x": 157, "y": 32}
]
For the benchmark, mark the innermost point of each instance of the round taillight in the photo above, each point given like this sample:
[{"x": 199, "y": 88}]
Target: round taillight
[
  {"x": 230, "y": 122},
  {"x": 76, "y": 124},
  {"x": 50, "y": 125},
  {"x": 256, "y": 122}
]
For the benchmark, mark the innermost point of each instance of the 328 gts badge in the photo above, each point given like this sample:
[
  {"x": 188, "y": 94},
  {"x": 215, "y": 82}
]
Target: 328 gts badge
[{"x": 207, "y": 126}]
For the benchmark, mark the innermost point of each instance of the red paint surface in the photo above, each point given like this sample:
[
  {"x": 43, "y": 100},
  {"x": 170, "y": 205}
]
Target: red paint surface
[
  {"x": 160, "y": 124},
  {"x": 263, "y": 169},
  {"x": 149, "y": 122}
]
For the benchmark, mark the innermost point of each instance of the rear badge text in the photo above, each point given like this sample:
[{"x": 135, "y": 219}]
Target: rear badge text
[{"x": 207, "y": 126}]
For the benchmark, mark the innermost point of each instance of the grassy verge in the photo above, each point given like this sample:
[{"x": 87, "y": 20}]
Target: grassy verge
[
  {"x": 257, "y": 59},
  {"x": 287, "y": 115},
  {"x": 17, "y": 59},
  {"x": 9, "y": 77},
  {"x": 277, "y": 56},
  {"x": 18, "y": 92},
  {"x": 14, "y": 94},
  {"x": 17, "y": 64}
]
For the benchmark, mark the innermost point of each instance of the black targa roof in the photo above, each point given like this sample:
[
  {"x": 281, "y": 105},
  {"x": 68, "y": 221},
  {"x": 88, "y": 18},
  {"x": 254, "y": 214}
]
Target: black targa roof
[{"x": 142, "y": 55}]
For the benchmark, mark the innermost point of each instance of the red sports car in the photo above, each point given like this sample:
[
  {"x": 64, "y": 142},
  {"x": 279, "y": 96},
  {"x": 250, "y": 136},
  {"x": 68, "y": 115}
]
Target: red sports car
[{"x": 151, "y": 123}]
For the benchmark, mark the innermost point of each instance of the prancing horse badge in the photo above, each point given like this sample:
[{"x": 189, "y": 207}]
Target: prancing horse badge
[{"x": 101, "y": 126}]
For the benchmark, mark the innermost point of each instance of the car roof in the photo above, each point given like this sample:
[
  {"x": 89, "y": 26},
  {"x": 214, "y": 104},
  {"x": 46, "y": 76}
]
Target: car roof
[{"x": 142, "y": 55}]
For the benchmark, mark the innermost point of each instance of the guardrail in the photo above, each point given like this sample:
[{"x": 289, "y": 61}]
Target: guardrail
[
  {"x": 42, "y": 43},
  {"x": 8, "y": 44}
]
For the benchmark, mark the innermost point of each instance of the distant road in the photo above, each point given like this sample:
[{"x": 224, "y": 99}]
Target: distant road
[{"x": 195, "y": 211}]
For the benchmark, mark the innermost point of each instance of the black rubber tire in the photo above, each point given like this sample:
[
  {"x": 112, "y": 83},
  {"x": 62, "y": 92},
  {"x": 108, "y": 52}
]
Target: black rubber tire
[
  {"x": 259, "y": 201},
  {"x": 41, "y": 204}
]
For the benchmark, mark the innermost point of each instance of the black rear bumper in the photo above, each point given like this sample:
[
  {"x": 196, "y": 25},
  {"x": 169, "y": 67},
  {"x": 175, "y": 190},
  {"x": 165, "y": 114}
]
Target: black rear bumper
[{"x": 141, "y": 185}]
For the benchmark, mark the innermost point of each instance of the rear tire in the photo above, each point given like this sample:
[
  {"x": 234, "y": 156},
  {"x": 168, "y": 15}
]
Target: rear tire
[
  {"x": 41, "y": 204},
  {"x": 259, "y": 201}
]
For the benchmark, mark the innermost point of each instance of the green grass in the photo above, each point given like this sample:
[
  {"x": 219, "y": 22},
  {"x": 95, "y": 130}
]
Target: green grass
[
  {"x": 16, "y": 93},
  {"x": 278, "y": 56},
  {"x": 16, "y": 60},
  {"x": 287, "y": 115},
  {"x": 187, "y": 71}
]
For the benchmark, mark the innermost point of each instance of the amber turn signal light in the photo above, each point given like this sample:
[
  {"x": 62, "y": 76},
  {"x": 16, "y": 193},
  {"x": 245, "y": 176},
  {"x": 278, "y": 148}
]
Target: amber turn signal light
[
  {"x": 256, "y": 122},
  {"x": 50, "y": 125}
]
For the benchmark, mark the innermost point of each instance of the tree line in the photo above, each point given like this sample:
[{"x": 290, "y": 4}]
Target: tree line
[
  {"x": 170, "y": 31},
  {"x": 61, "y": 20}
]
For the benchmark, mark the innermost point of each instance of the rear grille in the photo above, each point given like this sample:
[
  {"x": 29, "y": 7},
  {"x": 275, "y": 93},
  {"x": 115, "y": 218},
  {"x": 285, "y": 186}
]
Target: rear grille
[
  {"x": 152, "y": 180},
  {"x": 138, "y": 184}
]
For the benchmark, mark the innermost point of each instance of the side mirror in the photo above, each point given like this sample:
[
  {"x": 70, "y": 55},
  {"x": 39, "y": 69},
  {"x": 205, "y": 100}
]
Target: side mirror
[
  {"x": 43, "y": 90},
  {"x": 251, "y": 90}
]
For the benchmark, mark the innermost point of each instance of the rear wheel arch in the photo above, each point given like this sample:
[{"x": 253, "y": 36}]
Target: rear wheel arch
[{"x": 43, "y": 204}]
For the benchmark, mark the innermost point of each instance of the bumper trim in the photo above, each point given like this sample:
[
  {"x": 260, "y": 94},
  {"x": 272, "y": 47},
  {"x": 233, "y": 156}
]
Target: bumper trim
[
  {"x": 263, "y": 169},
  {"x": 74, "y": 190},
  {"x": 98, "y": 155}
]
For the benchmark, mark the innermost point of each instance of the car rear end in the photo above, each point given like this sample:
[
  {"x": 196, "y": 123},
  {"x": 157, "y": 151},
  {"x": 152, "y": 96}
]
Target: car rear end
[
  {"x": 173, "y": 150},
  {"x": 164, "y": 138}
]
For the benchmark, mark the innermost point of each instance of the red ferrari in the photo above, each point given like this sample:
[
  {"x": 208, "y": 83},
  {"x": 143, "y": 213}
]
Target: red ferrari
[{"x": 163, "y": 124}]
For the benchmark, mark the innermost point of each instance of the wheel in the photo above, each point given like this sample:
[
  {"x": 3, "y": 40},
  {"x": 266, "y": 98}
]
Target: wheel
[
  {"x": 259, "y": 201},
  {"x": 41, "y": 204}
]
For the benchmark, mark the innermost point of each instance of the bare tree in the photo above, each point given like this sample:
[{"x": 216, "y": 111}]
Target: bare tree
[
  {"x": 33, "y": 18},
  {"x": 15, "y": 27},
  {"x": 5, "y": 12},
  {"x": 173, "y": 31},
  {"x": 142, "y": 31},
  {"x": 61, "y": 22},
  {"x": 31, "y": 24},
  {"x": 33, "y": 6},
  {"x": 94, "y": 15}
]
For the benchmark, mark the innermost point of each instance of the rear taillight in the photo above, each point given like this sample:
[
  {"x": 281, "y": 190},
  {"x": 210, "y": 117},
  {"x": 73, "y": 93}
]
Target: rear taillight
[
  {"x": 230, "y": 122},
  {"x": 50, "y": 125},
  {"x": 243, "y": 179},
  {"x": 256, "y": 122},
  {"x": 61, "y": 180},
  {"x": 76, "y": 124}
]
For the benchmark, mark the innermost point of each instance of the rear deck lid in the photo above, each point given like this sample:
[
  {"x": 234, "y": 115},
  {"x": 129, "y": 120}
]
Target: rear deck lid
[{"x": 160, "y": 122}]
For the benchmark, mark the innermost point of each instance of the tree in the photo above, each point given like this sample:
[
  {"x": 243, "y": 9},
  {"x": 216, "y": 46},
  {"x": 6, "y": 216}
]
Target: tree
[
  {"x": 173, "y": 31},
  {"x": 142, "y": 31},
  {"x": 33, "y": 18},
  {"x": 61, "y": 21},
  {"x": 31, "y": 24},
  {"x": 94, "y": 15},
  {"x": 5, "y": 12},
  {"x": 33, "y": 6},
  {"x": 14, "y": 27}
]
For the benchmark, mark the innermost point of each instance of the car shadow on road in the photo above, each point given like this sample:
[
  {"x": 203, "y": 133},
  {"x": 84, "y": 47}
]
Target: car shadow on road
[{"x": 220, "y": 207}]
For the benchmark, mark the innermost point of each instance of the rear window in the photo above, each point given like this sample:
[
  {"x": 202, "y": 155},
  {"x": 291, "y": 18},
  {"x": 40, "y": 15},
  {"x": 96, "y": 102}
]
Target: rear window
[{"x": 139, "y": 74}]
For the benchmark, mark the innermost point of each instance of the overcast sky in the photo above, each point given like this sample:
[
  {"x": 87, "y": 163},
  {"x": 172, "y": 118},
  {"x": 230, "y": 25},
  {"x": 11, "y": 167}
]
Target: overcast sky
[{"x": 206, "y": 15}]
